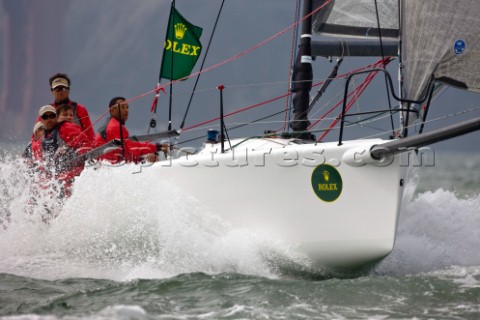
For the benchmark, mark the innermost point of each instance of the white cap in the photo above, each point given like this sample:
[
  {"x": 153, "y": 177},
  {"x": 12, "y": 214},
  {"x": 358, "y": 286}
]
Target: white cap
[
  {"x": 45, "y": 109},
  {"x": 59, "y": 82},
  {"x": 37, "y": 126}
]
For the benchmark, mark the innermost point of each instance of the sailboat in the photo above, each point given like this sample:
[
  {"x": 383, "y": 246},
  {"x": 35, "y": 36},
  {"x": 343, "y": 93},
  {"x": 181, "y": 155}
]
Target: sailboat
[{"x": 338, "y": 202}]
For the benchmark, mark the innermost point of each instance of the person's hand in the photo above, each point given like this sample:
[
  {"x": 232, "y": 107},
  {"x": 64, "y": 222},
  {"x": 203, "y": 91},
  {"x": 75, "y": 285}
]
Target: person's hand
[
  {"x": 152, "y": 157},
  {"x": 163, "y": 147}
]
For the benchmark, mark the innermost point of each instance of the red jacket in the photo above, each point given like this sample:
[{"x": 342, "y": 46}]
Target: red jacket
[
  {"x": 65, "y": 137},
  {"x": 133, "y": 149},
  {"x": 81, "y": 118}
]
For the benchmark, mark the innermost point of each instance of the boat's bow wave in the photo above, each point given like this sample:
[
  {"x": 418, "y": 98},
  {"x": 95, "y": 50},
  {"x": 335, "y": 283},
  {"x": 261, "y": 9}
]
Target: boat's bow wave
[
  {"x": 116, "y": 226},
  {"x": 436, "y": 231},
  {"x": 111, "y": 228}
]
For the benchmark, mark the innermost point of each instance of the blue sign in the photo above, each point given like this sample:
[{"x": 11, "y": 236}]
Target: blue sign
[{"x": 459, "y": 46}]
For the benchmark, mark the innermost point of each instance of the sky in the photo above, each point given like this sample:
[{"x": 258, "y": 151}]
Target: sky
[{"x": 114, "y": 48}]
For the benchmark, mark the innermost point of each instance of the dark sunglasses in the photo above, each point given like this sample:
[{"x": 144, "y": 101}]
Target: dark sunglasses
[
  {"x": 59, "y": 89},
  {"x": 46, "y": 116}
]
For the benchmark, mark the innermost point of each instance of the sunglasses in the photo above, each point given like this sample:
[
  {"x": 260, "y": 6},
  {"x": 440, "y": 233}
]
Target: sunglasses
[
  {"x": 50, "y": 116},
  {"x": 60, "y": 89}
]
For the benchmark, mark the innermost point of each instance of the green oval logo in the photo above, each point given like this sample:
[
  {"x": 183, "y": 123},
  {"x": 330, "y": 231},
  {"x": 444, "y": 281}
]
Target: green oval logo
[{"x": 327, "y": 182}]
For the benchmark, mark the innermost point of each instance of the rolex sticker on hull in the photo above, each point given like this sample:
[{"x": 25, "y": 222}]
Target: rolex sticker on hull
[{"x": 327, "y": 182}]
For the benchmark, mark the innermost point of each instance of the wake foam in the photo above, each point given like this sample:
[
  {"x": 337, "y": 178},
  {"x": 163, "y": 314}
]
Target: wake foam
[
  {"x": 121, "y": 226},
  {"x": 436, "y": 231}
]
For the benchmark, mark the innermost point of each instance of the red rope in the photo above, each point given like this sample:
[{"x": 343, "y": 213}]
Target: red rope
[
  {"x": 357, "y": 92},
  {"x": 278, "y": 98},
  {"x": 220, "y": 64},
  {"x": 374, "y": 65},
  {"x": 236, "y": 56},
  {"x": 157, "y": 89},
  {"x": 238, "y": 111}
]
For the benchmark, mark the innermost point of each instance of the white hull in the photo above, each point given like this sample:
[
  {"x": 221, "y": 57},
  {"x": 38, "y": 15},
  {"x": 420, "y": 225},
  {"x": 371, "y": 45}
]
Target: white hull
[{"x": 270, "y": 191}]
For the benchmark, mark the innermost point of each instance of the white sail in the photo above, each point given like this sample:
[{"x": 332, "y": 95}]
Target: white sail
[
  {"x": 440, "y": 38},
  {"x": 356, "y": 18}
]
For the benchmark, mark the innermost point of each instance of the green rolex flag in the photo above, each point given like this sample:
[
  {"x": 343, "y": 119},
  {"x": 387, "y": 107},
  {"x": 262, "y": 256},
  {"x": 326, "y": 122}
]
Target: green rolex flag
[{"x": 182, "y": 47}]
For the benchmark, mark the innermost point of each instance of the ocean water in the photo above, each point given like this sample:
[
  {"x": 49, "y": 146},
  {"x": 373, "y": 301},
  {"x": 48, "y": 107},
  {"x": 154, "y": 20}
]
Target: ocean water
[{"x": 120, "y": 259}]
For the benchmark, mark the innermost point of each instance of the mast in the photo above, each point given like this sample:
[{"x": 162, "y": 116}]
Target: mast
[{"x": 303, "y": 76}]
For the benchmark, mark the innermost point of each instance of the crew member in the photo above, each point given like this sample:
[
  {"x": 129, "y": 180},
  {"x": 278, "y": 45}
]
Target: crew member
[
  {"x": 59, "y": 147},
  {"x": 131, "y": 151},
  {"x": 60, "y": 88},
  {"x": 38, "y": 131},
  {"x": 65, "y": 113}
]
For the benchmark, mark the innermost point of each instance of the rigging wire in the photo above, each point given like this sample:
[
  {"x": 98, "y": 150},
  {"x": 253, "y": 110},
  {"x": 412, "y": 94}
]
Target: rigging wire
[
  {"x": 201, "y": 66},
  {"x": 239, "y": 125},
  {"x": 321, "y": 91},
  {"x": 158, "y": 88},
  {"x": 429, "y": 121},
  {"x": 379, "y": 32},
  {"x": 357, "y": 93},
  {"x": 349, "y": 95},
  {"x": 239, "y": 111},
  {"x": 253, "y": 48},
  {"x": 349, "y": 124},
  {"x": 314, "y": 115},
  {"x": 242, "y": 109},
  {"x": 135, "y": 98},
  {"x": 243, "y": 52},
  {"x": 170, "y": 103},
  {"x": 276, "y": 98}
]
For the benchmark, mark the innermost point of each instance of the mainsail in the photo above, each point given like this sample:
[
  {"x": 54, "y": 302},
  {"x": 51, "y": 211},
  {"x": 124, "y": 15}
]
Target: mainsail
[
  {"x": 351, "y": 28},
  {"x": 356, "y": 18},
  {"x": 440, "y": 38}
]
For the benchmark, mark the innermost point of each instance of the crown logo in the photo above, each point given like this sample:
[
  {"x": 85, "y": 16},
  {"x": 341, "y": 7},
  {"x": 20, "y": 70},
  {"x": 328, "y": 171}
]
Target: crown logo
[
  {"x": 326, "y": 175},
  {"x": 180, "y": 30}
]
